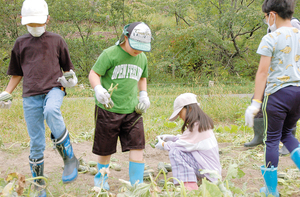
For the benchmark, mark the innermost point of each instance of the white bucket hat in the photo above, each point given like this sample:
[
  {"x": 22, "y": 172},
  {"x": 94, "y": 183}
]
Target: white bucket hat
[
  {"x": 139, "y": 36},
  {"x": 181, "y": 101},
  {"x": 34, "y": 11}
]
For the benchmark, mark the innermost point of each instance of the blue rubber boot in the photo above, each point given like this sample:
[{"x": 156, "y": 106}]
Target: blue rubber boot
[
  {"x": 136, "y": 172},
  {"x": 64, "y": 147},
  {"x": 295, "y": 155},
  {"x": 99, "y": 180},
  {"x": 270, "y": 177},
  {"x": 37, "y": 169}
]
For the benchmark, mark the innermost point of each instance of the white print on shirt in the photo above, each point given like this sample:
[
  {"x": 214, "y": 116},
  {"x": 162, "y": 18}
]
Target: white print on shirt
[{"x": 127, "y": 71}]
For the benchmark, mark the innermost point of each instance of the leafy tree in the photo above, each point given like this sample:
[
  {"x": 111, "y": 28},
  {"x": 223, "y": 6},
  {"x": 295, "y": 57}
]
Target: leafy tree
[
  {"x": 10, "y": 29},
  {"x": 214, "y": 37}
]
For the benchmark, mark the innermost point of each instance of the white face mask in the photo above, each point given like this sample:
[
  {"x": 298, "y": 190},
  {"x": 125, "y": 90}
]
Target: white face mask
[
  {"x": 36, "y": 31},
  {"x": 273, "y": 27}
]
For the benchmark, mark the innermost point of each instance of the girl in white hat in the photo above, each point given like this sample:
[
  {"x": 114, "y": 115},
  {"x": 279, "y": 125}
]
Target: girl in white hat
[{"x": 197, "y": 147}]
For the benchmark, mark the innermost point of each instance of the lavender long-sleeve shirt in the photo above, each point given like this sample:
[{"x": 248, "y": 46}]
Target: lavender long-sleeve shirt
[{"x": 202, "y": 145}]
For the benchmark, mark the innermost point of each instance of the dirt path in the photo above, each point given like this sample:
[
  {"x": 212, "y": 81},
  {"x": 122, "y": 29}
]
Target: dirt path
[{"x": 16, "y": 160}]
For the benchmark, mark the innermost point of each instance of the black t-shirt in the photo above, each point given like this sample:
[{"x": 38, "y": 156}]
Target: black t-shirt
[{"x": 40, "y": 60}]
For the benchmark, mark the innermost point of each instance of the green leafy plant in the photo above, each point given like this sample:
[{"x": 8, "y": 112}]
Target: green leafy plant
[
  {"x": 14, "y": 185},
  {"x": 220, "y": 188}
]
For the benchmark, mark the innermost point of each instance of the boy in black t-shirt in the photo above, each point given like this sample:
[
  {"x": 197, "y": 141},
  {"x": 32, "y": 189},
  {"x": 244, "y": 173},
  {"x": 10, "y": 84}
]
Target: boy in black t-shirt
[{"x": 39, "y": 58}]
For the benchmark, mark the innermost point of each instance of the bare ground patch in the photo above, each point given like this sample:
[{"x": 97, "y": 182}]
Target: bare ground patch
[{"x": 15, "y": 159}]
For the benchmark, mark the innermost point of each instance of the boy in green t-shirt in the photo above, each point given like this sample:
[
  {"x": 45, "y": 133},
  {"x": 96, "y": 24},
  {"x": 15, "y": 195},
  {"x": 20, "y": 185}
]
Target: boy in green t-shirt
[{"x": 123, "y": 65}]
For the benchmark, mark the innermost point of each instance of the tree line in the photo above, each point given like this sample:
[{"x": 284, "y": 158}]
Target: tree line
[{"x": 192, "y": 40}]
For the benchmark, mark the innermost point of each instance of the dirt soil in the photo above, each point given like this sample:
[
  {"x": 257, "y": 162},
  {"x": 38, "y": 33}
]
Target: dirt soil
[{"x": 15, "y": 159}]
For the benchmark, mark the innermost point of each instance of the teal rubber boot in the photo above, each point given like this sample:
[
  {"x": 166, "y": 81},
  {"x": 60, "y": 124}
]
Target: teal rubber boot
[
  {"x": 136, "y": 172},
  {"x": 37, "y": 169},
  {"x": 99, "y": 180},
  {"x": 270, "y": 177},
  {"x": 71, "y": 164},
  {"x": 295, "y": 155}
]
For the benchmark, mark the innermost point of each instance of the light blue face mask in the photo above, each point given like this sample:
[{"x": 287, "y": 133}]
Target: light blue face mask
[{"x": 273, "y": 27}]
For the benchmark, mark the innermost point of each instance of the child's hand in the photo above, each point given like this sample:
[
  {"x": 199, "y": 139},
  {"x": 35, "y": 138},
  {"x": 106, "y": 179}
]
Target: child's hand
[
  {"x": 166, "y": 137},
  {"x": 5, "y": 100},
  {"x": 251, "y": 111},
  {"x": 68, "y": 79},
  {"x": 160, "y": 143},
  {"x": 144, "y": 99},
  {"x": 101, "y": 94}
]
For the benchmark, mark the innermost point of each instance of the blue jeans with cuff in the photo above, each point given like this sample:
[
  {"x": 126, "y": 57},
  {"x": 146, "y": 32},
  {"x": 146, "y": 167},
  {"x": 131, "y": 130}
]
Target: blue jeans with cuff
[{"x": 37, "y": 109}]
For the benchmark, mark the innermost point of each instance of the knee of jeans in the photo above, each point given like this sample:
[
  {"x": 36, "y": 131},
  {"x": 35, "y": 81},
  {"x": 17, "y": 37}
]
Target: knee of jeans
[{"x": 50, "y": 111}]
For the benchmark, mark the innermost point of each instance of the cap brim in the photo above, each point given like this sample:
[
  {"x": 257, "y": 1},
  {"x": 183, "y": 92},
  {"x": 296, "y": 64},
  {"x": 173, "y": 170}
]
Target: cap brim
[
  {"x": 175, "y": 114},
  {"x": 140, "y": 46},
  {"x": 33, "y": 19}
]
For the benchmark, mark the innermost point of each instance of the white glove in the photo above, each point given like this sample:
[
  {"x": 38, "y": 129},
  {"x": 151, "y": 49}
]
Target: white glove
[
  {"x": 68, "y": 83},
  {"x": 5, "y": 100},
  {"x": 166, "y": 137},
  {"x": 159, "y": 145},
  {"x": 251, "y": 111},
  {"x": 144, "y": 99},
  {"x": 101, "y": 94}
]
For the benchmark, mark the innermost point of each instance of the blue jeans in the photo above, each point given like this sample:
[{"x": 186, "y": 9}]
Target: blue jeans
[{"x": 37, "y": 109}]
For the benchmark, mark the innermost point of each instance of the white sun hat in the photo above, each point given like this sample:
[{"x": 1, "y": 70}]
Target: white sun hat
[
  {"x": 181, "y": 101},
  {"x": 34, "y": 11}
]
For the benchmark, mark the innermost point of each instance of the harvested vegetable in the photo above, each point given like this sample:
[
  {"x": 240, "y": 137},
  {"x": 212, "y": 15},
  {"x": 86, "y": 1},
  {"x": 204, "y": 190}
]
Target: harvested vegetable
[
  {"x": 81, "y": 161},
  {"x": 152, "y": 144},
  {"x": 110, "y": 91},
  {"x": 92, "y": 163},
  {"x": 68, "y": 75},
  {"x": 168, "y": 167},
  {"x": 109, "y": 105},
  {"x": 93, "y": 171},
  {"x": 115, "y": 166},
  {"x": 161, "y": 166},
  {"x": 147, "y": 174},
  {"x": 83, "y": 169},
  {"x": 140, "y": 108},
  {"x": 6, "y": 97}
]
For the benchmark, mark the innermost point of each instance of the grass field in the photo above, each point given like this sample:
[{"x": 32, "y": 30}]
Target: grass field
[
  {"x": 220, "y": 102},
  {"x": 224, "y": 103}
]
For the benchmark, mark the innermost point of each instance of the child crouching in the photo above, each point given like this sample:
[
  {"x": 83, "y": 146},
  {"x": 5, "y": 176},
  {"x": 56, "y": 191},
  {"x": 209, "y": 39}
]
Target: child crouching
[{"x": 197, "y": 147}]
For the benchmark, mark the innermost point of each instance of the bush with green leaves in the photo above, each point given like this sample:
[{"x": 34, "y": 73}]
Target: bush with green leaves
[{"x": 193, "y": 40}]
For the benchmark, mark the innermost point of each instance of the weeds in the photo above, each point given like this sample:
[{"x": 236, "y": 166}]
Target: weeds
[
  {"x": 224, "y": 188},
  {"x": 226, "y": 111},
  {"x": 14, "y": 185}
]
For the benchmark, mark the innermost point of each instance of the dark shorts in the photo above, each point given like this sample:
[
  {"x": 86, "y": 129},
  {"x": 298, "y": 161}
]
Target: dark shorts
[{"x": 109, "y": 126}]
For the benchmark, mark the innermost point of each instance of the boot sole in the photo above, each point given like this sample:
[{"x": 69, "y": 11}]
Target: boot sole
[
  {"x": 252, "y": 145},
  {"x": 66, "y": 182}
]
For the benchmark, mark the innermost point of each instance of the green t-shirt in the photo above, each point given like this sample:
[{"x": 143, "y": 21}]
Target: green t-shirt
[{"x": 118, "y": 67}]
